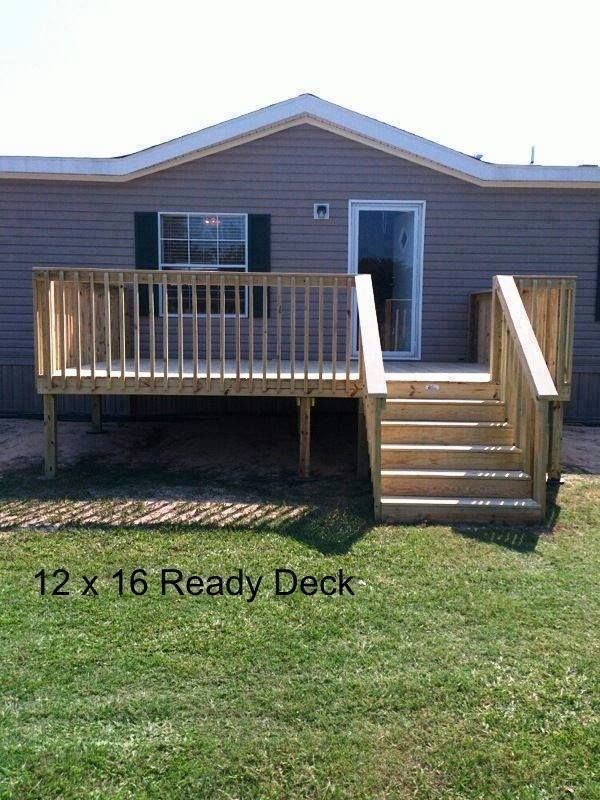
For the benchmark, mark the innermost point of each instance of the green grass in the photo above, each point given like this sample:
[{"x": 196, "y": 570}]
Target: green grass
[{"x": 466, "y": 666}]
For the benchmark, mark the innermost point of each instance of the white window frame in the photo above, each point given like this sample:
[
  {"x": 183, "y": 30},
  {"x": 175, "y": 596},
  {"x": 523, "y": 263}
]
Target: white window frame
[
  {"x": 202, "y": 267},
  {"x": 417, "y": 207}
]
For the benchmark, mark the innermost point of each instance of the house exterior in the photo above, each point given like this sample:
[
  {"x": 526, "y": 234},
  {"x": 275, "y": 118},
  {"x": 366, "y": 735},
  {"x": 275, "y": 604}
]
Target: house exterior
[{"x": 305, "y": 186}]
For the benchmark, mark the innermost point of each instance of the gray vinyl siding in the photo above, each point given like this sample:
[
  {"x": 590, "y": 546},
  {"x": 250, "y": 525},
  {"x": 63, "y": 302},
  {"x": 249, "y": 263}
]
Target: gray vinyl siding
[{"x": 471, "y": 233}]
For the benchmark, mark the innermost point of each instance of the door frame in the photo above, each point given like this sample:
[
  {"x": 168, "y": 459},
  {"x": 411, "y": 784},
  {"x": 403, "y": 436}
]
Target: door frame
[{"x": 418, "y": 208}]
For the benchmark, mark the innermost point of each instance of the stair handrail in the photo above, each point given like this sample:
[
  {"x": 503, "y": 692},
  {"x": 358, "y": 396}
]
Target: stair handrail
[
  {"x": 526, "y": 386},
  {"x": 372, "y": 368},
  {"x": 372, "y": 379},
  {"x": 528, "y": 348}
]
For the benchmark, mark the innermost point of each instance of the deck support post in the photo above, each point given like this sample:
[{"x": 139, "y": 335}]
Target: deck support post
[
  {"x": 362, "y": 450},
  {"x": 96, "y": 413},
  {"x": 304, "y": 407},
  {"x": 555, "y": 440},
  {"x": 50, "y": 435}
]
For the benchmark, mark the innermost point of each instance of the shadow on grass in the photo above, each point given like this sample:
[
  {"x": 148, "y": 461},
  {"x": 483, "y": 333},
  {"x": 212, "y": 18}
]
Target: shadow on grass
[
  {"x": 327, "y": 514},
  {"x": 522, "y": 538}
]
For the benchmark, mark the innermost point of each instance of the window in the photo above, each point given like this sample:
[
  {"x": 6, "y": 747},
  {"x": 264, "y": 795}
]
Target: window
[{"x": 204, "y": 241}]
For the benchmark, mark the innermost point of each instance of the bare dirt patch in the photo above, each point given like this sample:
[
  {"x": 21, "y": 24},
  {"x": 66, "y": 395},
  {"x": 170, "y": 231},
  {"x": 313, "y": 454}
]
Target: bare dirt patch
[
  {"x": 228, "y": 471},
  {"x": 581, "y": 449}
]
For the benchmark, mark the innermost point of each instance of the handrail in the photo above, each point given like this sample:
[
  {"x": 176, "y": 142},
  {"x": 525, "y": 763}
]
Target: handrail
[
  {"x": 525, "y": 384},
  {"x": 230, "y": 276},
  {"x": 370, "y": 342},
  {"x": 528, "y": 349}
]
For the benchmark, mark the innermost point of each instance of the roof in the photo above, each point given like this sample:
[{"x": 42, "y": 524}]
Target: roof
[{"x": 304, "y": 109}]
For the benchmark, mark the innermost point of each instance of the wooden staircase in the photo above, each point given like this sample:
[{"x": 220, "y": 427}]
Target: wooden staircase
[
  {"x": 448, "y": 453},
  {"x": 471, "y": 444}
]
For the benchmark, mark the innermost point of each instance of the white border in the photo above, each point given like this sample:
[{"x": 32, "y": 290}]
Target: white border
[
  {"x": 417, "y": 207},
  {"x": 305, "y": 109}
]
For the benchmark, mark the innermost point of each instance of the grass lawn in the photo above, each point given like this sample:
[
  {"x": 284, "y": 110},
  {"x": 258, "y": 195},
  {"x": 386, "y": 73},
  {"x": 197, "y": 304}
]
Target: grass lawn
[{"x": 465, "y": 666}]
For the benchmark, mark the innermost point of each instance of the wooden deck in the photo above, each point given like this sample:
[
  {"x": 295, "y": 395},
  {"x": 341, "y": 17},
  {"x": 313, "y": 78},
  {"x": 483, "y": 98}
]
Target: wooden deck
[
  {"x": 439, "y": 440},
  {"x": 249, "y": 377}
]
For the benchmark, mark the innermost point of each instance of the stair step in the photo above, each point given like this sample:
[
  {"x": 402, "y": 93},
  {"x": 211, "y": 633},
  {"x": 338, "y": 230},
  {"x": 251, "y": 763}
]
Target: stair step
[
  {"x": 460, "y": 456},
  {"x": 446, "y": 409},
  {"x": 446, "y": 432},
  {"x": 459, "y": 509},
  {"x": 453, "y": 390},
  {"x": 456, "y": 483}
]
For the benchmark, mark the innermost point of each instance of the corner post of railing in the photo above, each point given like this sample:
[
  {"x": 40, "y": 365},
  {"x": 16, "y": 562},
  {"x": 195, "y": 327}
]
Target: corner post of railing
[
  {"x": 540, "y": 454},
  {"x": 495, "y": 335},
  {"x": 378, "y": 404},
  {"x": 37, "y": 328},
  {"x": 46, "y": 329}
]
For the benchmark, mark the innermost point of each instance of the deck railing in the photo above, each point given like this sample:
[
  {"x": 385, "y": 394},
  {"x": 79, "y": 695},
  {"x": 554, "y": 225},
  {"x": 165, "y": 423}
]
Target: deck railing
[
  {"x": 196, "y": 332},
  {"x": 519, "y": 366},
  {"x": 549, "y": 303}
]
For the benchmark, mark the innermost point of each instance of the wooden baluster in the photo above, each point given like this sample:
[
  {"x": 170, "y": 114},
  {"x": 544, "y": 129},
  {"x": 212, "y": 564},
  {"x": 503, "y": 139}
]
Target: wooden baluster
[
  {"x": 222, "y": 328},
  {"x": 278, "y": 344},
  {"x": 250, "y": 312},
  {"x": 152, "y": 328},
  {"x": 194, "y": 290},
  {"x": 568, "y": 341},
  {"x": 348, "y": 331},
  {"x": 561, "y": 337},
  {"x": 48, "y": 328},
  {"x": 180, "y": 330},
  {"x": 122, "y": 349},
  {"x": 37, "y": 310},
  {"x": 320, "y": 334},
  {"x": 292, "y": 333},
  {"x": 503, "y": 359},
  {"x": 136, "y": 328},
  {"x": 526, "y": 441},
  {"x": 265, "y": 331},
  {"x": 78, "y": 359},
  {"x": 62, "y": 326},
  {"x": 334, "y": 324},
  {"x": 208, "y": 322},
  {"x": 93, "y": 328},
  {"x": 306, "y": 331},
  {"x": 510, "y": 394},
  {"x": 165, "y": 322},
  {"x": 107, "y": 330},
  {"x": 238, "y": 335}
]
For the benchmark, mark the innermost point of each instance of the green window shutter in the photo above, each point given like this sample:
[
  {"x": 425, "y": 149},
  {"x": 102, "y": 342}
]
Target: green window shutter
[
  {"x": 259, "y": 254},
  {"x": 146, "y": 252}
]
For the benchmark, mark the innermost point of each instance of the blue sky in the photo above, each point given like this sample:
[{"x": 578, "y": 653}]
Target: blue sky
[{"x": 101, "y": 77}]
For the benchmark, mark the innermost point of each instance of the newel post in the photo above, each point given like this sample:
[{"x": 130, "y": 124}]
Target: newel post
[
  {"x": 540, "y": 454},
  {"x": 362, "y": 447},
  {"x": 495, "y": 336},
  {"x": 555, "y": 441},
  {"x": 378, "y": 405}
]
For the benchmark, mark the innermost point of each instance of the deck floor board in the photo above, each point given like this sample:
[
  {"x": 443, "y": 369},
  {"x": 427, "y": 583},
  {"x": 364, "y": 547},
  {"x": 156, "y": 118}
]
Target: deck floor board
[{"x": 394, "y": 370}]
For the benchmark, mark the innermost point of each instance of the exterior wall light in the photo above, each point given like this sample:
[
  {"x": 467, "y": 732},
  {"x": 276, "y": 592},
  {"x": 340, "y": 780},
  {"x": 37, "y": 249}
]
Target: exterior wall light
[{"x": 321, "y": 211}]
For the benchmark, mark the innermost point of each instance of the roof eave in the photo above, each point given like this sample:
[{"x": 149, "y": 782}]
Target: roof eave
[{"x": 305, "y": 109}]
